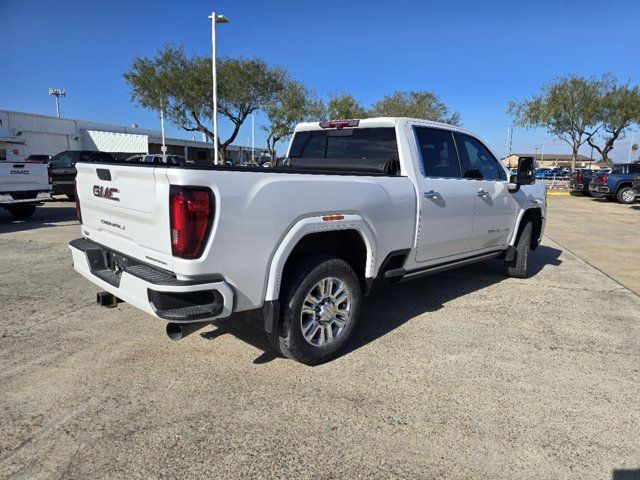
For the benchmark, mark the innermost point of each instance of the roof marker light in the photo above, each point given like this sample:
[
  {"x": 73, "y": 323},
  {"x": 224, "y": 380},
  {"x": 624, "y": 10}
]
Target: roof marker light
[{"x": 339, "y": 124}]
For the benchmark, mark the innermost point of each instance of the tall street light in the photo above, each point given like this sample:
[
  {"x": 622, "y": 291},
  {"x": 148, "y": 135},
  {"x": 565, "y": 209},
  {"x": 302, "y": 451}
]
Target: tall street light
[
  {"x": 253, "y": 136},
  {"x": 57, "y": 92},
  {"x": 215, "y": 19}
]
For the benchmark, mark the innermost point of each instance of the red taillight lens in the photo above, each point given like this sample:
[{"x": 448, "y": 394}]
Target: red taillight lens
[
  {"x": 579, "y": 176},
  {"x": 75, "y": 195},
  {"x": 50, "y": 175},
  {"x": 191, "y": 214},
  {"x": 339, "y": 124},
  {"x": 605, "y": 177}
]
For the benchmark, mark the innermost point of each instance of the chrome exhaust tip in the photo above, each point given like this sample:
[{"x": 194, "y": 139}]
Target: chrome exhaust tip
[{"x": 177, "y": 331}]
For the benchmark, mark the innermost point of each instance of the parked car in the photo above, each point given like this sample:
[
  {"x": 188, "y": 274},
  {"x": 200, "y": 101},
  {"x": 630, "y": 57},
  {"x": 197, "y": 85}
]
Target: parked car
[
  {"x": 579, "y": 181},
  {"x": 540, "y": 173},
  {"x": 62, "y": 168},
  {"x": 38, "y": 158},
  {"x": 556, "y": 174},
  {"x": 160, "y": 159},
  {"x": 617, "y": 185},
  {"x": 23, "y": 186},
  {"x": 635, "y": 184},
  {"x": 299, "y": 245}
]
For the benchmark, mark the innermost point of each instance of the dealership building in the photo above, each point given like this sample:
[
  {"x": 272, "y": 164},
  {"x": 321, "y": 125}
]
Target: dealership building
[{"x": 23, "y": 134}]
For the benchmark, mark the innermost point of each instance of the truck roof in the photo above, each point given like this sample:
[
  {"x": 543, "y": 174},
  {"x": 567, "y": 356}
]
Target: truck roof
[{"x": 381, "y": 122}]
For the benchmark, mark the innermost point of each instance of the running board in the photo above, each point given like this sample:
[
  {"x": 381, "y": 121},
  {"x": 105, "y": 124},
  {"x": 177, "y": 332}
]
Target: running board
[{"x": 401, "y": 275}]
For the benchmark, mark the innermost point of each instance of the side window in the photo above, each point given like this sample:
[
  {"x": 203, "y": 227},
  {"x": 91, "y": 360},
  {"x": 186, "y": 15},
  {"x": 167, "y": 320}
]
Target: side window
[
  {"x": 634, "y": 168},
  {"x": 476, "y": 159},
  {"x": 64, "y": 159},
  {"x": 438, "y": 152}
]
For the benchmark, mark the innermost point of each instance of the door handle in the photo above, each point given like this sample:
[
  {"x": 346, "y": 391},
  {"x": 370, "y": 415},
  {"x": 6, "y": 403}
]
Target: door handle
[
  {"x": 482, "y": 193},
  {"x": 432, "y": 194}
]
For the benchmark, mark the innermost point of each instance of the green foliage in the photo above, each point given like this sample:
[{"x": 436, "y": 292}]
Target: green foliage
[
  {"x": 292, "y": 104},
  {"x": 578, "y": 110},
  {"x": 345, "y": 106},
  {"x": 416, "y": 104},
  {"x": 182, "y": 85}
]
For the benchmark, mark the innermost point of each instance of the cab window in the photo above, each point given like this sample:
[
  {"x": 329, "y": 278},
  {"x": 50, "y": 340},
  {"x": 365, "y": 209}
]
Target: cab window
[
  {"x": 476, "y": 160},
  {"x": 438, "y": 152}
]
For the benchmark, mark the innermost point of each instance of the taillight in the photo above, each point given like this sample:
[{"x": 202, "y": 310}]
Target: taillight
[
  {"x": 605, "y": 177},
  {"x": 75, "y": 195},
  {"x": 191, "y": 215},
  {"x": 50, "y": 175},
  {"x": 579, "y": 176}
]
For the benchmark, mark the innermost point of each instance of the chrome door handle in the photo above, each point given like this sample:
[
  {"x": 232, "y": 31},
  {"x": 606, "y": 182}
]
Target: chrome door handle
[
  {"x": 482, "y": 193},
  {"x": 432, "y": 194}
]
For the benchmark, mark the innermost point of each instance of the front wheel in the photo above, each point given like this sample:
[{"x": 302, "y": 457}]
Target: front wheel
[
  {"x": 626, "y": 195},
  {"x": 320, "y": 304},
  {"x": 21, "y": 212},
  {"x": 518, "y": 266}
]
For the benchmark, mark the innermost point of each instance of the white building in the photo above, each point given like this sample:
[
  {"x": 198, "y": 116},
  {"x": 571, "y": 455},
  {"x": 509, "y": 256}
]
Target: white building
[{"x": 23, "y": 134}]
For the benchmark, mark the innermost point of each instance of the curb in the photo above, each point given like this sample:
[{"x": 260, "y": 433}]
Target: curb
[{"x": 556, "y": 193}]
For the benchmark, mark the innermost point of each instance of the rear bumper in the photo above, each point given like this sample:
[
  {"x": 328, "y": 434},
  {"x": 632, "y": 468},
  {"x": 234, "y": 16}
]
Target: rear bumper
[
  {"x": 152, "y": 290},
  {"x": 7, "y": 199}
]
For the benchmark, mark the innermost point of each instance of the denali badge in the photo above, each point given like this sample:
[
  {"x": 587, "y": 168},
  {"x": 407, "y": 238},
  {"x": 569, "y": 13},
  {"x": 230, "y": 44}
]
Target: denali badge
[{"x": 109, "y": 193}]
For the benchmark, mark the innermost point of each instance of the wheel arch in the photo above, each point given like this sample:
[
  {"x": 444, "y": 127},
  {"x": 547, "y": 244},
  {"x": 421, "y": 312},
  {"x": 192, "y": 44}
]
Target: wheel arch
[
  {"x": 534, "y": 214},
  {"x": 351, "y": 239}
]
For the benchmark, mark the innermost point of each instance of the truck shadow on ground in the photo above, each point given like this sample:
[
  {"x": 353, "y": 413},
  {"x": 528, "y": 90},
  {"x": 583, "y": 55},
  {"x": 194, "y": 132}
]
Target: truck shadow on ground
[
  {"x": 43, "y": 218},
  {"x": 390, "y": 306}
]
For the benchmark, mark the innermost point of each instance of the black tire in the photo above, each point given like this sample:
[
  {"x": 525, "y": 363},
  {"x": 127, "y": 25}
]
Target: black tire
[
  {"x": 626, "y": 195},
  {"x": 21, "y": 212},
  {"x": 71, "y": 197},
  {"x": 288, "y": 338},
  {"x": 610, "y": 198},
  {"x": 517, "y": 267}
]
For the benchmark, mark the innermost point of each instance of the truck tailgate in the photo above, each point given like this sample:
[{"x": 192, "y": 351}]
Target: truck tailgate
[
  {"x": 23, "y": 177},
  {"x": 125, "y": 208}
]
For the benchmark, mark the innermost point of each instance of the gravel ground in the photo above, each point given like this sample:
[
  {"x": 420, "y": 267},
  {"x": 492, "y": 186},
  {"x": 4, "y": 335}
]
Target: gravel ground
[{"x": 462, "y": 375}]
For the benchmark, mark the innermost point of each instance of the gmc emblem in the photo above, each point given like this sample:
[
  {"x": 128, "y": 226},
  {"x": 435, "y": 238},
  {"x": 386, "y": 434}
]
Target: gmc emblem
[{"x": 109, "y": 193}]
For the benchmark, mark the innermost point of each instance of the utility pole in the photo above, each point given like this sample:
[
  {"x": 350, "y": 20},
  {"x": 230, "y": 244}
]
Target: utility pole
[
  {"x": 215, "y": 19},
  {"x": 164, "y": 147},
  {"x": 633, "y": 133},
  {"x": 57, "y": 92}
]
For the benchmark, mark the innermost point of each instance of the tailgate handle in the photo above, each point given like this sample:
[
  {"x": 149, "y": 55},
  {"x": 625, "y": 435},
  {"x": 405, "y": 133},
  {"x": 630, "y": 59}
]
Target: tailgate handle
[
  {"x": 18, "y": 165},
  {"x": 104, "y": 174}
]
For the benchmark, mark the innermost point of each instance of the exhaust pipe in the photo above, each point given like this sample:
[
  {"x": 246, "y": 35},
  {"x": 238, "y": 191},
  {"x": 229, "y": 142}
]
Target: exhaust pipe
[{"x": 177, "y": 331}]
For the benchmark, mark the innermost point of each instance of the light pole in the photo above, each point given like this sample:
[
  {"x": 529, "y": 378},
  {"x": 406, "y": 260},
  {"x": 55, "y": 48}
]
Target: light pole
[
  {"x": 215, "y": 19},
  {"x": 633, "y": 133},
  {"x": 164, "y": 147},
  {"x": 57, "y": 92},
  {"x": 253, "y": 136}
]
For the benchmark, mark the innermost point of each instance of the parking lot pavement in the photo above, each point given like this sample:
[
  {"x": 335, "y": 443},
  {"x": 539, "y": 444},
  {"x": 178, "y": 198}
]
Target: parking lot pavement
[
  {"x": 462, "y": 375},
  {"x": 605, "y": 234}
]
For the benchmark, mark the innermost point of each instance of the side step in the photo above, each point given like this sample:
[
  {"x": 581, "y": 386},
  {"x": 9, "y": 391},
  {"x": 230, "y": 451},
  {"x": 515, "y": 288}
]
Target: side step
[{"x": 402, "y": 275}]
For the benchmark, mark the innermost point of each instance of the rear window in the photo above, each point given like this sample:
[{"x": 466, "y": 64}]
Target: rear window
[
  {"x": 351, "y": 143},
  {"x": 617, "y": 169}
]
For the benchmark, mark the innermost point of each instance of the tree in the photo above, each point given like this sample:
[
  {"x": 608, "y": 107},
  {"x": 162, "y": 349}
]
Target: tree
[
  {"x": 345, "y": 106},
  {"x": 619, "y": 108},
  {"x": 292, "y": 104},
  {"x": 416, "y": 104},
  {"x": 182, "y": 86},
  {"x": 567, "y": 108}
]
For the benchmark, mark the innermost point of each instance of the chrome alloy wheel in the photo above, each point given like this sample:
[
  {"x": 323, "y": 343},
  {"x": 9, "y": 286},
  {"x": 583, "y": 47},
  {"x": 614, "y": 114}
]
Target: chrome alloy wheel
[
  {"x": 628, "y": 195},
  {"x": 325, "y": 311}
]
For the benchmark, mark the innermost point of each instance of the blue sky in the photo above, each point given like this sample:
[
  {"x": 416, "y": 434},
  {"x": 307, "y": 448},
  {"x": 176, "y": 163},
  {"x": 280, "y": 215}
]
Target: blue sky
[{"x": 477, "y": 55}]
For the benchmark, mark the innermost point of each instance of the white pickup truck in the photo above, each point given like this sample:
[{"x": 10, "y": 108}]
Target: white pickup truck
[
  {"x": 299, "y": 246},
  {"x": 23, "y": 186}
]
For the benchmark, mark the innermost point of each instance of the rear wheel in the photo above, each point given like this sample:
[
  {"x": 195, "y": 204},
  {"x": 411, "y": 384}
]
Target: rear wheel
[
  {"x": 71, "y": 197},
  {"x": 517, "y": 267},
  {"x": 22, "y": 211},
  {"x": 320, "y": 304},
  {"x": 626, "y": 195}
]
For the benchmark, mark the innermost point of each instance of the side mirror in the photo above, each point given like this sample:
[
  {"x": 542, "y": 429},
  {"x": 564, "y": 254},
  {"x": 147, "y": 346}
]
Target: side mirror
[{"x": 525, "y": 174}]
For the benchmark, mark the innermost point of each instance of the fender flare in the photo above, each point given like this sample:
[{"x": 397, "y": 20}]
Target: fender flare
[
  {"x": 516, "y": 229},
  {"x": 312, "y": 225}
]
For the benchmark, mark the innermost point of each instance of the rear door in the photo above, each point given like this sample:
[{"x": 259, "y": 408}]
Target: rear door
[
  {"x": 446, "y": 199},
  {"x": 127, "y": 209},
  {"x": 63, "y": 172},
  {"x": 495, "y": 206}
]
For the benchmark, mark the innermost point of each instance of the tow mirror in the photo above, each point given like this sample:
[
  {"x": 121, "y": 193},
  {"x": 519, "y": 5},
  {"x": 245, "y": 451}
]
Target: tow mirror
[{"x": 525, "y": 174}]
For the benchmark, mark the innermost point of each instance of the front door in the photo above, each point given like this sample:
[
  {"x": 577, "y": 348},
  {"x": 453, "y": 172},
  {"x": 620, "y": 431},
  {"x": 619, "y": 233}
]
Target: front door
[
  {"x": 446, "y": 199},
  {"x": 495, "y": 207}
]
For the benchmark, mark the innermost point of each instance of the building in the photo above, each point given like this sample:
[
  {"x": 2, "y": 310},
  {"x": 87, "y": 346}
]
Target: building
[
  {"x": 551, "y": 160},
  {"x": 23, "y": 134}
]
